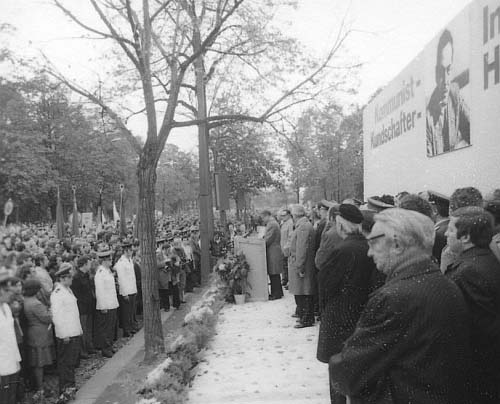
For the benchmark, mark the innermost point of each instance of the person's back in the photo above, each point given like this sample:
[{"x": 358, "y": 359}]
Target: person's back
[
  {"x": 345, "y": 283},
  {"x": 477, "y": 274},
  {"x": 412, "y": 341},
  {"x": 411, "y": 344}
]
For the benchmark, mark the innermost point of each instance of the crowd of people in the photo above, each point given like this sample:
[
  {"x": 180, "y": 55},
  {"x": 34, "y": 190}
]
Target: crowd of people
[
  {"x": 66, "y": 300},
  {"x": 406, "y": 290}
]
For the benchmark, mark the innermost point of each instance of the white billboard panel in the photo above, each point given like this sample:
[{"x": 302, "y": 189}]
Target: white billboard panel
[{"x": 437, "y": 124}]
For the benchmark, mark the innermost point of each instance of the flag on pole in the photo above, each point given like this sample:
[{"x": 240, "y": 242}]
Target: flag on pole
[
  {"x": 123, "y": 225},
  {"x": 99, "y": 214},
  {"x": 59, "y": 217},
  {"x": 116, "y": 215},
  {"x": 75, "y": 225}
]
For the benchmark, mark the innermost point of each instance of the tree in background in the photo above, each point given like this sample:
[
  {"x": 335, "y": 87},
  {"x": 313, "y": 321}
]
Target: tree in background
[
  {"x": 177, "y": 184},
  {"x": 163, "y": 47},
  {"x": 48, "y": 142},
  {"x": 325, "y": 154},
  {"x": 244, "y": 153}
]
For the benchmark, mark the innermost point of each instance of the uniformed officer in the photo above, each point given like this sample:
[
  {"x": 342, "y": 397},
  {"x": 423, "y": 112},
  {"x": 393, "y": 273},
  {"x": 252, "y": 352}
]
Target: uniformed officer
[
  {"x": 106, "y": 305},
  {"x": 10, "y": 358},
  {"x": 377, "y": 205},
  {"x": 127, "y": 289},
  {"x": 68, "y": 329}
]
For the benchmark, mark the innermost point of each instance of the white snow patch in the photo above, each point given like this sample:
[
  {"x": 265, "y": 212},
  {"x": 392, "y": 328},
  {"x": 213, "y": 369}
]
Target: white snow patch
[
  {"x": 148, "y": 401},
  {"x": 258, "y": 356}
]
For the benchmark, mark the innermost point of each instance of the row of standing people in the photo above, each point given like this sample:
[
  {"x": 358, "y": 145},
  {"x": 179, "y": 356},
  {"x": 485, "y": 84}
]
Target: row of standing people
[
  {"x": 409, "y": 298},
  {"x": 65, "y": 320}
]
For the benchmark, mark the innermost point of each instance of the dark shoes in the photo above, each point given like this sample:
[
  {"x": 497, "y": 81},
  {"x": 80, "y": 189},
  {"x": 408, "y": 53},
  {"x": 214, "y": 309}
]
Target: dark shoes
[
  {"x": 274, "y": 298},
  {"x": 84, "y": 355},
  {"x": 107, "y": 353}
]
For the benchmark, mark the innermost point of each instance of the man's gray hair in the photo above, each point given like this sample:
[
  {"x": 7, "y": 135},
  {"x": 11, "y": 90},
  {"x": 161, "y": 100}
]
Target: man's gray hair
[
  {"x": 412, "y": 229},
  {"x": 298, "y": 210}
]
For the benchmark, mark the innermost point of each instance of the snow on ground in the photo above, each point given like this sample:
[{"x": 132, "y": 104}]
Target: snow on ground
[{"x": 258, "y": 357}]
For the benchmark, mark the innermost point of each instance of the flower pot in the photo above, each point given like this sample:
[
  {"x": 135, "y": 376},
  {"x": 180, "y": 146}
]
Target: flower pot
[{"x": 239, "y": 299}]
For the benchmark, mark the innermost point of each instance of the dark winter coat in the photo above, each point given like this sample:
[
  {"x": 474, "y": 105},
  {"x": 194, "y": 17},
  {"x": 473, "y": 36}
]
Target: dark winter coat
[
  {"x": 329, "y": 240},
  {"x": 84, "y": 292},
  {"x": 274, "y": 255},
  {"x": 318, "y": 232},
  {"x": 440, "y": 240},
  {"x": 344, "y": 286},
  {"x": 301, "y": 268},
  {"x": 477, "y": 273},
  {"x": 411, "y": 344}
]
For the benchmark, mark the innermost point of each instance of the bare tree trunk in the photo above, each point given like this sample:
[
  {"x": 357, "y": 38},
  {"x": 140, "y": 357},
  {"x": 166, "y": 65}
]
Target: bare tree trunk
[
  {"x": 205, "y": 198},
  {"x": 153, "y": 333}
]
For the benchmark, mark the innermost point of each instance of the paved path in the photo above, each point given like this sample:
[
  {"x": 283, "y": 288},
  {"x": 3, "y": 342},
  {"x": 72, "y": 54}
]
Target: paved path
[
  {"x": 97, "y": 384},
  {"x": 258, "y": 357}
]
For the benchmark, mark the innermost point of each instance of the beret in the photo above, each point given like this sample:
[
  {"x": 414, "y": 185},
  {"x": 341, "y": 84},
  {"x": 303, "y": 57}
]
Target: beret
[{"x": 351, "y": 213}]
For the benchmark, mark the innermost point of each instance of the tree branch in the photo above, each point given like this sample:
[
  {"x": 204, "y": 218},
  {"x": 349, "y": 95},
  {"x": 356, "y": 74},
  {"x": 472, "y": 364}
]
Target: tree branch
[
  {"x": 89, "y": 28},
  {"x": 96, "y": 100},
  {"x": 115, "y": 35},
  {"x": 160, "y": 9}
]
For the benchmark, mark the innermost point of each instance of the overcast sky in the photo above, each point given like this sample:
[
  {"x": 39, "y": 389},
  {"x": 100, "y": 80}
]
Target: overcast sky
[{"x": 391, "y": 33}]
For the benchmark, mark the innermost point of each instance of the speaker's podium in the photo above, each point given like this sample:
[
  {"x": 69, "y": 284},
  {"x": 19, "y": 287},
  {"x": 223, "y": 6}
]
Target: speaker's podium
[{"x": 254, "y": 249}]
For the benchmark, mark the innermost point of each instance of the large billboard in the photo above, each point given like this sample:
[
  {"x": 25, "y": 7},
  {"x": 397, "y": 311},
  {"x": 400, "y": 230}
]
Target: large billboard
[{"x": 437, "y": 124}]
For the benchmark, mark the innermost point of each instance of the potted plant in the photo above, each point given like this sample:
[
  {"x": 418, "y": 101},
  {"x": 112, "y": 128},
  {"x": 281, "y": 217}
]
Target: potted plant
[{"x": 233, "y": 271}]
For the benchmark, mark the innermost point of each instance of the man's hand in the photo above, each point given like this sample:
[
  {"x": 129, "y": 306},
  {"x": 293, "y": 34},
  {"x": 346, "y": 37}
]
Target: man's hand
[
  {"x": 66, "y": 340},
  {"x": 126, "y": 298},
  {"x": 104, "y": 311}
]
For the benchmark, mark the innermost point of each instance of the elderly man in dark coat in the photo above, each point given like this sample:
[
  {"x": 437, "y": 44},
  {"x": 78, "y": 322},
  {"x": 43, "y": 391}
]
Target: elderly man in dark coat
[
  {"x": 344, "y": 286},
  {"x": 476, "y": 272},
  {"x": 411, "y": 343},
  {"x": 274, "y": 256},
  {"x": 301, "y": 269}
]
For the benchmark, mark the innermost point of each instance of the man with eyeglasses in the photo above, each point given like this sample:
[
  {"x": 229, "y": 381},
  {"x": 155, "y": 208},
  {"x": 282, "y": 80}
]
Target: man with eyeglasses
[{"x": 411, "y": 343}]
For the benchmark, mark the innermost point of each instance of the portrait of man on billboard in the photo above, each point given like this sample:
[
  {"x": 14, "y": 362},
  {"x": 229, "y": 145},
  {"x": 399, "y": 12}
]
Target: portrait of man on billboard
[{"x": 448, "y": 117}]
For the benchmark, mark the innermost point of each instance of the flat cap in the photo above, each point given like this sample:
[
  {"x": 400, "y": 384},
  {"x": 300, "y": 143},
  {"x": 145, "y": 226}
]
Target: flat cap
[
  {"x": 351, "y": 213},
  {"x": 378, "y": 205},
  {"x": 5, "y": 276},
  {"x": 64, "y": 269},
  {"x": 437, "y": 197},
  {"x": 104, "y": 253}
]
